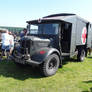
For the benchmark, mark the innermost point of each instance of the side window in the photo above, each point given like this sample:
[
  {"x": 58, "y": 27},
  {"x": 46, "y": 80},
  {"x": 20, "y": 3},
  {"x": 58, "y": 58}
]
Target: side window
[
  {"x": 34, "y": 29},
  {"x": 56, "y": 27}
]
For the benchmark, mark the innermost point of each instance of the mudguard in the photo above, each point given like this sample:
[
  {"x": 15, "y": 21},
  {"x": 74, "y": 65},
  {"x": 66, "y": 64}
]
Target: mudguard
[{"x": 43, "y": 53}]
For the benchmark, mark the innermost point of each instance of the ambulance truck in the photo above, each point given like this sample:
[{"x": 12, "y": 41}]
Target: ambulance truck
[{"x": 52, "y": 38}]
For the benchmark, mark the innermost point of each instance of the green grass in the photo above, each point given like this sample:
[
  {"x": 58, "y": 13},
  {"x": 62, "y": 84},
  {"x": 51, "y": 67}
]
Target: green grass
[{"x": 72, "y": 77}]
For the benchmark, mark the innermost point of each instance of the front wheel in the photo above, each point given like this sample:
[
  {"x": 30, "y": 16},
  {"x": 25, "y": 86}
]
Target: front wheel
[
  {"x": 50, "y": 65},
  {"x": 81, "y": 55}
]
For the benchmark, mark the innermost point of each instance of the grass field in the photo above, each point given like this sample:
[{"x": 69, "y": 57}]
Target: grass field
[{"x": 72, "y": 77}]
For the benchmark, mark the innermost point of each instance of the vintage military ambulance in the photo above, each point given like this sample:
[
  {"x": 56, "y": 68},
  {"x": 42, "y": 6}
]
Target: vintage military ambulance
[{"x": 53, "y": 38}]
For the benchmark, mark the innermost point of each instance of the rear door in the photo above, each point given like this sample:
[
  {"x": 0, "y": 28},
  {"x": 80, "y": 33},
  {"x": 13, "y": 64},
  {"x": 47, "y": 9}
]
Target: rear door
[{"x": 89, "y": 40}]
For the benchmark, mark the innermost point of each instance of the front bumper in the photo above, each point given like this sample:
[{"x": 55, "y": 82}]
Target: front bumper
[{"x": 24, "y": 59}]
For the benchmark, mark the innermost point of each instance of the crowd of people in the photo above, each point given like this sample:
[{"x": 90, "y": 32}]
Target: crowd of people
[{"x": 7, "y": 42}]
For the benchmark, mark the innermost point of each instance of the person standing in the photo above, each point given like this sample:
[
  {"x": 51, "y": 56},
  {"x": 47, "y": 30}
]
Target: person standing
[
  {"x": 23, "y": 33},
  {"x": 11, "y": 43},
  {"x": 5, "y": 39},
  {"x": 5, "y": 42}
]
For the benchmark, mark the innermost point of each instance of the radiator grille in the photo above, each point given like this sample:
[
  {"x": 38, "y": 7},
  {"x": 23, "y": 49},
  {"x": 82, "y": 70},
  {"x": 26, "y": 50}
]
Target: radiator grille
[{"x": 25, "y": 44}]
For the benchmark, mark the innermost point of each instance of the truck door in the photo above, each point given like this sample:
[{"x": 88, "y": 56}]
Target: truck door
[{"x": 65, "y": 37}]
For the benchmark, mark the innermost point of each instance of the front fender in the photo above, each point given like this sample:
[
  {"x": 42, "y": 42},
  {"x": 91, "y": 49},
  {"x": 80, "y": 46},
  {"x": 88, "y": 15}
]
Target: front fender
[{"x": 40, "y": 57}]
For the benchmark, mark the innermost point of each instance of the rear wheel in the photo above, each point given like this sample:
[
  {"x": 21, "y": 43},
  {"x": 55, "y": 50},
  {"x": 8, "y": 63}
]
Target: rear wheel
[
  {"x": 81, "y": 55},
  {"x": 50, "y": 65}
]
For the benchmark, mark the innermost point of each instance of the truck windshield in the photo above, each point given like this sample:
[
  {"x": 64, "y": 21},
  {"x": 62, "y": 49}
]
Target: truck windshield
[{"x": 50, "y": 29}]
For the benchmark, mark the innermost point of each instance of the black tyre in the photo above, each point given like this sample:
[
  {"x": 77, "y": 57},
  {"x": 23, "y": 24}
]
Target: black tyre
[
  {"x": 81, "y": 55},
  {"x": 50, "y": 65}
]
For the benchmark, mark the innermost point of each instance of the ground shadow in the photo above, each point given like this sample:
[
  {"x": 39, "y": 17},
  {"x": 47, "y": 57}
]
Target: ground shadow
[
  {"x": 89, "y": 57},
  {"x": 90, "y": 90},
  {"x": 90, "y": 81},
  {"x": 66, "y": 60},
  {"x": 10, "y": 69}
]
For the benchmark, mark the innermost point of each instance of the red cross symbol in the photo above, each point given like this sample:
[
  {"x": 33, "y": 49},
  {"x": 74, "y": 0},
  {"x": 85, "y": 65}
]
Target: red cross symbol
[{"x": 84, "y": 35}]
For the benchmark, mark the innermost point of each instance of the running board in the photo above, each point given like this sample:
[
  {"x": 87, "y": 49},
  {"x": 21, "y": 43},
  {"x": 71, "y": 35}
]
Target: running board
[
  {"x": 70, "y": 54},
  {"x": 65, "y": 54}
]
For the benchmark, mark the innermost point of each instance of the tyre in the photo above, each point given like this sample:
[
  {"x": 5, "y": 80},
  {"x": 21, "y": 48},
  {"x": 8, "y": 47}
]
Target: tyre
[
  {"x": 50, "y": 65},
  {"x": 81, "y": 55}
]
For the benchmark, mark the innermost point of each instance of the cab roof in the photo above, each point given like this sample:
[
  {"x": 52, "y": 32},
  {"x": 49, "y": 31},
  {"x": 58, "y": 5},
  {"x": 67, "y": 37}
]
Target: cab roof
[{"x": 57, "y": 17}]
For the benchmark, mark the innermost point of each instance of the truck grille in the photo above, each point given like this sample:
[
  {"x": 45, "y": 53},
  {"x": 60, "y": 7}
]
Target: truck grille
[{"x": 25, "y": 44}]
